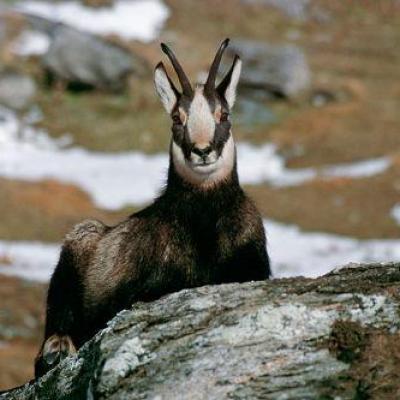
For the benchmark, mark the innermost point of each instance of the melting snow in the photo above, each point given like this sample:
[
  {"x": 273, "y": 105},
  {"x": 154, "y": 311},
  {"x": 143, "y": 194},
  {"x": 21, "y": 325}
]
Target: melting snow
[
  {"x": 293, "y": 252},
  {"x": 31, "y": 43},
  {"x": 130, "y": 19},
  {"x": 115, "y": 180},
  {"x": 29, "y": 260},
  {"x": 395, "y": 213}
]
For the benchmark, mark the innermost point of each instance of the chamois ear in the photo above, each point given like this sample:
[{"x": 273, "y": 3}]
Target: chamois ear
[
  {"x": 165, "y": 88},
  {"x": 228, "y": 85}
]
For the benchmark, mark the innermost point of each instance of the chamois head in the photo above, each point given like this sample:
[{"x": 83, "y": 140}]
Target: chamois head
[{"x": 202, "y": 146}]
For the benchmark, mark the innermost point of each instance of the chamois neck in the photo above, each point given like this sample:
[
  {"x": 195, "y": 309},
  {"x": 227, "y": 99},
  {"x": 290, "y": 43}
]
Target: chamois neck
[{"x": 220, "y": 194}]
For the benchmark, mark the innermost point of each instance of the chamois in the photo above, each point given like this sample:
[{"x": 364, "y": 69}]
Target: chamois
[{"x": 201, "y": 230}]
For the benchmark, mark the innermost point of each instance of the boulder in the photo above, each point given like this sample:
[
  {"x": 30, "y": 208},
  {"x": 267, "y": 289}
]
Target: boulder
[
  {"x": 280, "y": 70},
  {"x": 17, "y": 90},
  {"x": 84, "y": 59},
  {"x": 298, "y": 9},
  {"x": 335, "y": 337},
  {"x": 301, "y": 10}
]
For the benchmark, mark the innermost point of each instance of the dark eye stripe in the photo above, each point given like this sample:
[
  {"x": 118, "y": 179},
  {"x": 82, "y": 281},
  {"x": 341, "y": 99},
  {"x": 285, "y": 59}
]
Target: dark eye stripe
[
  {"x": 224, "y": 116},
  {"x": 176, "y": 119}
]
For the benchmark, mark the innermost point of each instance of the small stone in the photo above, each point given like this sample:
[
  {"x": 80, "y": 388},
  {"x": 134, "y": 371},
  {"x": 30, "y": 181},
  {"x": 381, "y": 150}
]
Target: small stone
[
  {"x": 281, "y": 70},
  {"x": 17, "y": 90},
  {"x": 83, "y": 59}
]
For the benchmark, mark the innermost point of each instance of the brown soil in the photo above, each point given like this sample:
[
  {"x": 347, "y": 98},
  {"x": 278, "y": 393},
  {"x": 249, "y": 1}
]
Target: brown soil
[
  {"x": 21, "y": 327},
  {"x": 352, "y": 207},
  {"x": 46, "y": 210}
]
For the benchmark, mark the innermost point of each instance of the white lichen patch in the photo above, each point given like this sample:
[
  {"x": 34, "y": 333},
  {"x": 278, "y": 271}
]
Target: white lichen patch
[
  {"x": 126, "y": 359},
  {"x": 375, "y": 310},
  {"x": 202, "y": 303},
  {"x": 285, "y": 324},
  {"x": 71, "y": 367}
]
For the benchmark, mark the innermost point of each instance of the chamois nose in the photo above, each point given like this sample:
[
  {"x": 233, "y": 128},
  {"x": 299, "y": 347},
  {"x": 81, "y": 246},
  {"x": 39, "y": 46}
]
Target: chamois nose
[{"x": 202, "y": 152}]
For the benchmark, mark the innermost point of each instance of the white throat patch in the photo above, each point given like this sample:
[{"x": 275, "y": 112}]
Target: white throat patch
[
  {"x": 201, "y": 122},
  {"x": 205, "y": 177}
]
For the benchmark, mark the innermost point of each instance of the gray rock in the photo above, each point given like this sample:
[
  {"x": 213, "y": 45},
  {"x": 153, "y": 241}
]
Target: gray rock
[
  {"x": 280, "y": 339},
  {"x": 302, "y": 10},
  {"x": 40, "y": 24},
  {"x": 297, "y": 9},
  {"x": 281, "y": 70},
  {"x": 17, "y": 90},
  {"x": 82, "y": 58}
]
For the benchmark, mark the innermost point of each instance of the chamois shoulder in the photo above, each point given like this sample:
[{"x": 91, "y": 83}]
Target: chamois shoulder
[{"x": 85, "y": 234}]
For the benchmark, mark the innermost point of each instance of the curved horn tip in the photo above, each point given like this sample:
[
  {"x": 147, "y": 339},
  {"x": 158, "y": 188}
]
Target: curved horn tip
[
  {"x": 225, "y": 43},
  {"x": 165, "y": 48}
]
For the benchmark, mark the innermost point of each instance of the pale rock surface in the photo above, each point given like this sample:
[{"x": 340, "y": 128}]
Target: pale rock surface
[{"x": 258, "y": 340}]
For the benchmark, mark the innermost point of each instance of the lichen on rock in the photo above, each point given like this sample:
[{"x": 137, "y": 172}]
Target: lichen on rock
[{"x": 282, "y": 339}]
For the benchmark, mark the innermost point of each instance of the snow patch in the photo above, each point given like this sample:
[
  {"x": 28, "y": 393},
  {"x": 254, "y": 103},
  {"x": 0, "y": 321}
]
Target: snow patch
[
  {"x": 130, "y": 19},
  {"x": 116, "y": 180},
  {"x": 395, "y": 213},
  {"x": 264, "y": 164},
  {"x": 297, "y": 253},
  {"x": 29, "y": 260},
  {"x": 31, "y": 43},
  {"x": 293, "y": 253}
]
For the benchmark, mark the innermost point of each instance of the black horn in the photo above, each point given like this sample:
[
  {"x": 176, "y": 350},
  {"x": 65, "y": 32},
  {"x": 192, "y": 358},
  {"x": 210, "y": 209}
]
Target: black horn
[
  {"x": 209, "y": 86},
  {"x": 183, "y": 79}
]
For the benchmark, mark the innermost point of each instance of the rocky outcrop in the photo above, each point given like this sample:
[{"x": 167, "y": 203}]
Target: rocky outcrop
[
  {"x": 332, "y": 337},
  {"x": 81, "y": 58},
  {"x": 281, "y": 70},
  {"x": 298, "y": 9}
]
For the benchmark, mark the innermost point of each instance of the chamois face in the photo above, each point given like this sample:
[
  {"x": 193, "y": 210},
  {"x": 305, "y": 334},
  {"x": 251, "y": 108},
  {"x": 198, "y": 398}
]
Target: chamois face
[{"x": 202, "y": 146}]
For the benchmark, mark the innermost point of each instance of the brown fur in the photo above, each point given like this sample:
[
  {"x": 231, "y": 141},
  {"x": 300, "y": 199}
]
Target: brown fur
[{"x": 201, "y": 230}]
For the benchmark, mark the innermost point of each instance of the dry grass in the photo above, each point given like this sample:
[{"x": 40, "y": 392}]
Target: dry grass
[
  {"x": 21, "y": 324},
  {"x": 46, "y": 210},
  {"x": 353, "y": 207},
  {"x": 360, "y": 66}
]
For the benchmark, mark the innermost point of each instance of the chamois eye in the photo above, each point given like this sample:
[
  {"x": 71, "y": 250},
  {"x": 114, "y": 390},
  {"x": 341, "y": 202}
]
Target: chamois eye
[
  {"x": 176, "y": 119},
  {"x": 224, "y": 117}
]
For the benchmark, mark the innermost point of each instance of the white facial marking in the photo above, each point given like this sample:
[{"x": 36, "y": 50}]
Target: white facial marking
[
  {"x": 164, "y": 89},
  {"x": 201, "y": 123},
  {"x": 205, "y": 176},
  {"x": 198, "y": 160}
]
